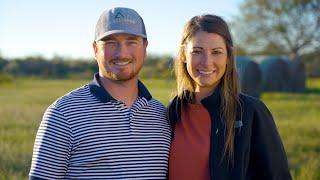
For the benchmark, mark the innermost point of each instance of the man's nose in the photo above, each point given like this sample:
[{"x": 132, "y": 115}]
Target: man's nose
[{"x": 121, "y": 51}]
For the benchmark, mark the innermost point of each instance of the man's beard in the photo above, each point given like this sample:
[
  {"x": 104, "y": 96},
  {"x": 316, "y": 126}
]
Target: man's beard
[{"x": 124, "y": 77}]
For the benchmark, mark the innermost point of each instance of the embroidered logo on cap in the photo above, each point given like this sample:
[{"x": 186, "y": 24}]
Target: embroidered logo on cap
[
  {"x": 123, "y": 18},
  {"x": 118, "y": 15}
]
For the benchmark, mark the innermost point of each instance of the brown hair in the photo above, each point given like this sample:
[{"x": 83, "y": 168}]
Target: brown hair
[{"x": 229, "y": 82}]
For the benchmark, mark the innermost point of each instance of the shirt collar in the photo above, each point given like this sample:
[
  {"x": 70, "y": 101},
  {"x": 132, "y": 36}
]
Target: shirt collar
[{"x": 103, "y": 95}]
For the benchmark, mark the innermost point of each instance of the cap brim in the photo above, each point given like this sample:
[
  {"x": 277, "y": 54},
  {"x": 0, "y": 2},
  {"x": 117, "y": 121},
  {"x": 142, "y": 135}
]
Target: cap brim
[{"x": 104, "y": 35}]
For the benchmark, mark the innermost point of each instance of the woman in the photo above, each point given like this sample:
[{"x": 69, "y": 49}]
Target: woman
[{"x": 218, "y": 133}]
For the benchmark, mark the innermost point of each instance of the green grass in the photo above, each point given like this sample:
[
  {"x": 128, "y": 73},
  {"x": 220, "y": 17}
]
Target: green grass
[
  {"x": 298, "y": 120},
  {"x": 24, "y": 100}
]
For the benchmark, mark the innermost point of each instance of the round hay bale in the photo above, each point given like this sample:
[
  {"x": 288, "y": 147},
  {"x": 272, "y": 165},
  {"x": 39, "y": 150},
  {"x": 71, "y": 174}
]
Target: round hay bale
[
  {"x": 275, "y": 75},
  {"x": 250, "y": 76},
  {"x": 297, "y": 75}
]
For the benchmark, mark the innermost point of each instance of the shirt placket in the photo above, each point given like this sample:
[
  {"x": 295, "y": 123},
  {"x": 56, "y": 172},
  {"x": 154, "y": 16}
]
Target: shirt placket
[
  {"x": 130, "y": 112},
  {"x": 137, "y": 105}
]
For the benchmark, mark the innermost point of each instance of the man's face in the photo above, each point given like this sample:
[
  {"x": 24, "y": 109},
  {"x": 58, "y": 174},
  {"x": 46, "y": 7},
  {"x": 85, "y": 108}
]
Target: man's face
[{"x": 120, "y": 56}]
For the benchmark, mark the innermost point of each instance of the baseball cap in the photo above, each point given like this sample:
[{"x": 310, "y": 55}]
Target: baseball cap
[{"x": 119, "y": 20}]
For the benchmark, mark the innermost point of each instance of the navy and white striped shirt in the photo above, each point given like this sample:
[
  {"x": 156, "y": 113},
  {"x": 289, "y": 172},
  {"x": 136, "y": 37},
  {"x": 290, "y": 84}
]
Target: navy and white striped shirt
[{"x": 87, "y": 134}]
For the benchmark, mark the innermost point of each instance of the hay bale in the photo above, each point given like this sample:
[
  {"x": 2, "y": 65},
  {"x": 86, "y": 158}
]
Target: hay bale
[
  {"x": 275, "y": 75},
  {"x": 297, "y": 75},
  {"x": 250, "y": 76}
]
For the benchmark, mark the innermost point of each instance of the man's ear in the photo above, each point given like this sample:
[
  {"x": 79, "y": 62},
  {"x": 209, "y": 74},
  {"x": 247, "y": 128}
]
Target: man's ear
[
  {"x": 95, "y": 49},
  {"x": 145, "y": 45}
]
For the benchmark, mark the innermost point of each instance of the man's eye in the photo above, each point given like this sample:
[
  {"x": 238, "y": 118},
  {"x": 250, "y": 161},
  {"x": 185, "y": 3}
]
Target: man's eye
[
  {"x": 132, "y": 42},
  {"x": 110, "y": 42}
]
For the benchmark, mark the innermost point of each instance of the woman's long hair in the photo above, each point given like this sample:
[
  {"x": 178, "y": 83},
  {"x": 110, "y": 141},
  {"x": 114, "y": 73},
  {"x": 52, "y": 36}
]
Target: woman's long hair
[{"x": 229, "y": 82}]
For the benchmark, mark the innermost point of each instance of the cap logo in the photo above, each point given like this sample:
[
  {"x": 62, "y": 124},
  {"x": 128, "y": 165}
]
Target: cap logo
[
  {"x": 123, "y": 18},
  {"x": 118, "y": 15}
]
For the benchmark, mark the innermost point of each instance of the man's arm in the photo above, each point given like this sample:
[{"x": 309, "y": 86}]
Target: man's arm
[{"x": 52, "y": 147}]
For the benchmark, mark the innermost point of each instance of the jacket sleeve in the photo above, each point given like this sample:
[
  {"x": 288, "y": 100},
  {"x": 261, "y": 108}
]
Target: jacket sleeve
[
  {"x": 52, "y": 146},
  {"x": 267, "y": 152}
]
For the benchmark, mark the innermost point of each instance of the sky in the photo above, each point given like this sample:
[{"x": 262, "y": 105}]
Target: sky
[{"x": 66, "y": 27}]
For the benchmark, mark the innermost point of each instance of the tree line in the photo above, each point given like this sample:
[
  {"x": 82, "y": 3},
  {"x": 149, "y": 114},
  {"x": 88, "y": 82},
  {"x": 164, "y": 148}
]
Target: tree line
[{"x": 155, "y": 66}]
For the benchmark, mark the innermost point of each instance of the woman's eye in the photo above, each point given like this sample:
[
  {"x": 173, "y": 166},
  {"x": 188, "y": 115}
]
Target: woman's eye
[
  {"x": 217, "y": 52},
  {"x": 196, "y": 52}
]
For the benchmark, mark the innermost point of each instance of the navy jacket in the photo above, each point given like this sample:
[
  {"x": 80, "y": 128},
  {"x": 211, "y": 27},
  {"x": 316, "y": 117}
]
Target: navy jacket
[{"x": 258, "y": 154}]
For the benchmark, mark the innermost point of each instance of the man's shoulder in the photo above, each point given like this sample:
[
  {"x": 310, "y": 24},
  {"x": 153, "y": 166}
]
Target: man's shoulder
[
  {"x": 75, "y": 96},
  {"x": 156, "y": 103}
]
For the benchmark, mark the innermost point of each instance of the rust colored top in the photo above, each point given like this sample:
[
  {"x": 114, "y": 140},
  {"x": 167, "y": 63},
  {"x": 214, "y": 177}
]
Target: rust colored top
[{"x": 189, "y": 154}]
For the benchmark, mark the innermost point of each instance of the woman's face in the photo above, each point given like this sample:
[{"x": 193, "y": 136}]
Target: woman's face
[{"x": 206, "y": 60}]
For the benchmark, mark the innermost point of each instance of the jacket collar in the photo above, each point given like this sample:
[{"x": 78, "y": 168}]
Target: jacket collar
[
  {"x": 212, "y": 104},
  {"x": 214, "y": 100},
  {"x": 103, "y": 95}
]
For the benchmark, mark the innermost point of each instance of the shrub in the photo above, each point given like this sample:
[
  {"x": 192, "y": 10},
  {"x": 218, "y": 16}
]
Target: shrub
[
  {"x": 297, "y": 75},
  {"x": 250, "y": 76},
  {"x": 275, "y": 74},
  {"x": 5, "y": 78}
]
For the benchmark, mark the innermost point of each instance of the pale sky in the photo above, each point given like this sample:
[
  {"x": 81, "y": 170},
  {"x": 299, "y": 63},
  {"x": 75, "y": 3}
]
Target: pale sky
[{"x": 66, "y": 27}]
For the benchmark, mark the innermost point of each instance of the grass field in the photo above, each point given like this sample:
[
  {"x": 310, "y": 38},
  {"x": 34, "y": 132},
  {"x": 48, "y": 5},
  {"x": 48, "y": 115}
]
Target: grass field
[{"x": 23, "y": 102}]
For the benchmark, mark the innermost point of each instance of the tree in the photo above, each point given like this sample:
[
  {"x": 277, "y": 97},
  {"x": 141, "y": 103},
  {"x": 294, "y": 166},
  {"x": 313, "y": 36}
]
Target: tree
[{"x": 289, "y": 27}]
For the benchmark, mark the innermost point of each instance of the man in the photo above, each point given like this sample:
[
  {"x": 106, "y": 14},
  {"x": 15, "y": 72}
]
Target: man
[{"x": 111, "y": 128}]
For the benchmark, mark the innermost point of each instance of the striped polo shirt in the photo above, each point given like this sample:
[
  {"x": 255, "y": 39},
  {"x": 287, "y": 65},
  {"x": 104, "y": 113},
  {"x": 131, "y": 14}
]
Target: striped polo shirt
[{"x": 87, "y": 134}]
